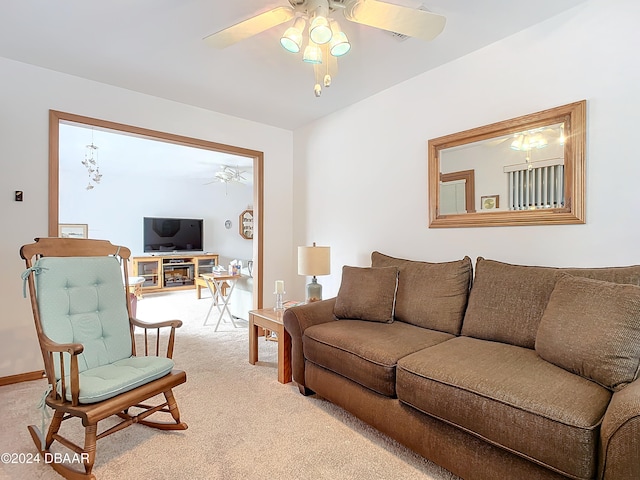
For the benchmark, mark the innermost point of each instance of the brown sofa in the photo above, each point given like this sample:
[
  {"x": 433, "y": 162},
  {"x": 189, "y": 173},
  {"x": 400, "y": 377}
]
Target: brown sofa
[{"x": 530, "y": 373}]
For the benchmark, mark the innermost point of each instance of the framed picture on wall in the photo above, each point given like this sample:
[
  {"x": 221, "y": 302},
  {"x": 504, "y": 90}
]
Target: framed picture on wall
[
  {"x": 490, "y": 202},
  {"x": 73, "y": 230}
]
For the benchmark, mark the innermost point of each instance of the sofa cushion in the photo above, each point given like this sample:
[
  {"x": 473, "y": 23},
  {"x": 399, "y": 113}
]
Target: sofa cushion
[
  {"x": 511, "y": 397},
  {"x": 367, "y": 294},
  {"x": 592, "y": 328},
  {"x": 507, "y": 301},
  {"x": 430, "y": 295},
  {"x": 366, "y": 352}
]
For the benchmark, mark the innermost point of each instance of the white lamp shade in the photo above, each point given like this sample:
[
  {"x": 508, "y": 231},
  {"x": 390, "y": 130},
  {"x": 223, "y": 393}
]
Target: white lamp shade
[
  {"x": 319, "y": 30},
  {"x": 340, "y": 45},
  {"x": 314, "y": 260},
  {"x": 292, "y": 38},
  {"x": 312, "y": 53}
]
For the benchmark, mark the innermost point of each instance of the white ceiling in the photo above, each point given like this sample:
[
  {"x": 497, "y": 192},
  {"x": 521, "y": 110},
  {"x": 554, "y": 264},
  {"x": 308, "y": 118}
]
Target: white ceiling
[
  {"x": 156, "y": 47},
  {"x": 120, "y": 154}
]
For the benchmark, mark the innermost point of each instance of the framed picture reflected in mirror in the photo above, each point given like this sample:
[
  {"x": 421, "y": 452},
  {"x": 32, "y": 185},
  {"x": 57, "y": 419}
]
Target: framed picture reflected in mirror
[{"x": 490, "y": 202}]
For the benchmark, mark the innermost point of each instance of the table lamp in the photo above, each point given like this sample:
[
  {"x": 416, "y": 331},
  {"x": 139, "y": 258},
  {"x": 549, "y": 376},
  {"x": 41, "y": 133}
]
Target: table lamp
[{"x": 314, "y": 261}]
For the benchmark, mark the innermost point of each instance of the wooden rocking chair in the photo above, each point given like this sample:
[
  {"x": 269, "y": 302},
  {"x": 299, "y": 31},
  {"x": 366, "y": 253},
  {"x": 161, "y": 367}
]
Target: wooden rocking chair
[{"x": 80, "y": 302}]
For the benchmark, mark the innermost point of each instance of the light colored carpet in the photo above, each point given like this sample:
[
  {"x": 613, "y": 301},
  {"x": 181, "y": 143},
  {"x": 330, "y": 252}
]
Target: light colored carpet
[{"x": 243, "y": 424}]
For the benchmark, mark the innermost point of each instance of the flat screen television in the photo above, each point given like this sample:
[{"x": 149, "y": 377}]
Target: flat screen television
[{"x": 166, "y": 235}]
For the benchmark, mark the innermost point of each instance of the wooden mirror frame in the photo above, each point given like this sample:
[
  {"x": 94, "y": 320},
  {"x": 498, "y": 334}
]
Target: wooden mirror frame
[{"x": 573, "y": 116}]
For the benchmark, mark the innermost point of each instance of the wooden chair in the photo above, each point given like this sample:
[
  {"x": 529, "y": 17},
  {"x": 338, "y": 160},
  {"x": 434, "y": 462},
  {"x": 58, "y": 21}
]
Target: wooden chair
[{"x": 79, "y": 297}]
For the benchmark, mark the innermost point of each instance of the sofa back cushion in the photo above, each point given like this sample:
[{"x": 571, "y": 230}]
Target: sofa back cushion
[
  {"x": 367, "y": 294},
  {"x": 507, "y": 301},
  {"x": 592, "y": 328},
  {"x": 430, "y": 295}
]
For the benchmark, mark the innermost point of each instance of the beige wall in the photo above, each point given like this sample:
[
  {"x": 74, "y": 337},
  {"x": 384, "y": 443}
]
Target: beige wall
[
  {"x": 373, "y": 154},
  {"x": 27, "y": 95}
]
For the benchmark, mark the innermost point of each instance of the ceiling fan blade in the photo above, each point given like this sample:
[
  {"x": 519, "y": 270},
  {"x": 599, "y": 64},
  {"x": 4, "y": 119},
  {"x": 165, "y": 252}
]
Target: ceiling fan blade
[
  {"x": 250, "y": 27},
  {"x": 394, "y": 18}
]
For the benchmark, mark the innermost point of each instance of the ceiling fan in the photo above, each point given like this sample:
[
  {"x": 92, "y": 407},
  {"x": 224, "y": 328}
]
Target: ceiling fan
[
  {"x": 327, "y": 41},
  {"x": 386, "y": 16},
  {"x": 228, "y": 175}
]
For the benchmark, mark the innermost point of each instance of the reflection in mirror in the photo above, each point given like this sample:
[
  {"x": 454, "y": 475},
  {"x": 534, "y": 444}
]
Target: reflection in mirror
[
  {"x": 457, "y": 192},
  {"x": 524, "y": 171}
]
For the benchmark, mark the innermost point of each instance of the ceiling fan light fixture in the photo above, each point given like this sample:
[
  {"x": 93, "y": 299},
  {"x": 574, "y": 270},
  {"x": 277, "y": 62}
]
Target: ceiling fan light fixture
[
  {"x": 517, "y": 143},
  {"x": 291, "y": 40},
  {"x": 325, "y": 32},
  {"x": 319, "y": 31},
  {"x": 528, "y": 141},
  {"x": 312, "y": 53},
  {"x": 539, "y": 141},
  {"x": 224, "y": 176},
  {"x": 339, "y": 44}
]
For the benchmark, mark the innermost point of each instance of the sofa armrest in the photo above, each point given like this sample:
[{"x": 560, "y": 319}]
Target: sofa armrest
[
  {"x": 620, "y": 435},
  {"x": 296, "y": 320}
]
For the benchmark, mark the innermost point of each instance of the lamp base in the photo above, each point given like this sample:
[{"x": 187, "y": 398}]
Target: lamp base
[
  {"x": 279, "y": 302},
  {"x": 314, "y": 291}
]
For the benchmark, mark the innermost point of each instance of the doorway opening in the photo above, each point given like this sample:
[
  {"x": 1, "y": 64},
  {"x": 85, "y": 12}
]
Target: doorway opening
[{"x": 254, "y": 157}]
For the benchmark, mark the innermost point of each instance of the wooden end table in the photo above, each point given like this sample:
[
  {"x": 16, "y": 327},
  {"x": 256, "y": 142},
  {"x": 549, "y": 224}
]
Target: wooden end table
[{"x": 269, "y": 319}]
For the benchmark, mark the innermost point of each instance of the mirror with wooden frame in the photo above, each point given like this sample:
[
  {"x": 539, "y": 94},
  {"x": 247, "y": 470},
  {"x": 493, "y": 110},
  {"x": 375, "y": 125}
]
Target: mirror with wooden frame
[{"x": 528, "y": 170}]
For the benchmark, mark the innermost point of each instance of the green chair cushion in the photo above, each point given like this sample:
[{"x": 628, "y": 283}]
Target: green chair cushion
[
  {"x": 107, "y": 381},
  {"x": 83, "y": 300}
]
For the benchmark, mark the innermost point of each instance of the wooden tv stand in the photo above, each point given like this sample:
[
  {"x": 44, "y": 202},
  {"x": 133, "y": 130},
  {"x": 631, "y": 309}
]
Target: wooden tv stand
[{"x": 172, "y": 272}]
